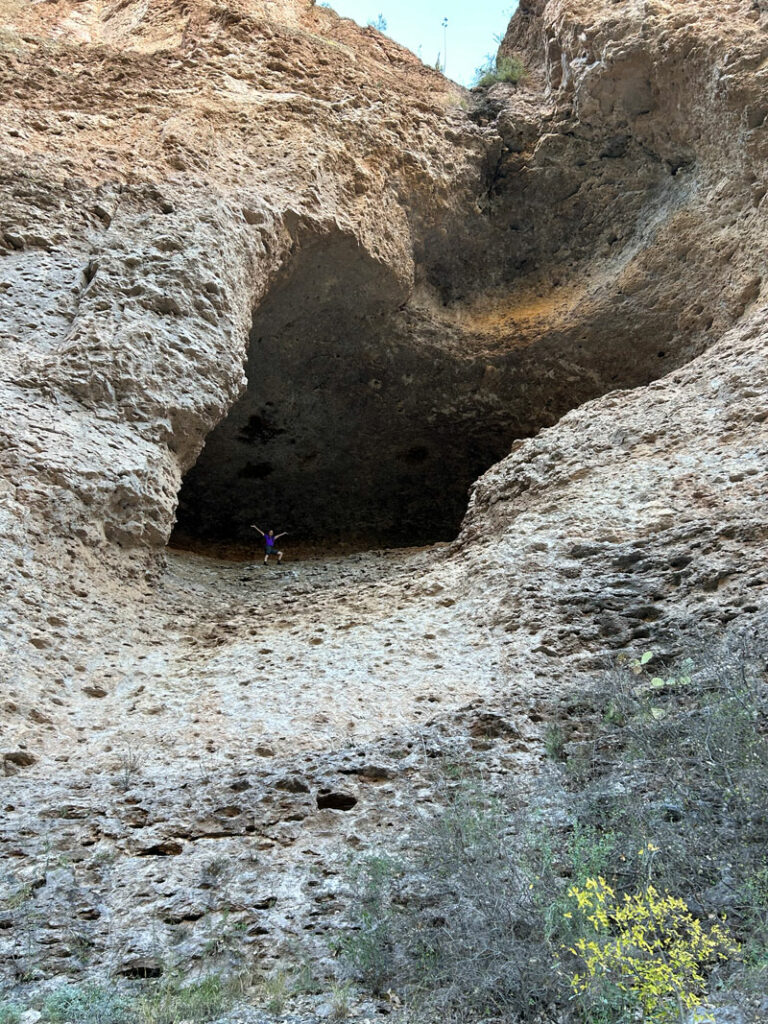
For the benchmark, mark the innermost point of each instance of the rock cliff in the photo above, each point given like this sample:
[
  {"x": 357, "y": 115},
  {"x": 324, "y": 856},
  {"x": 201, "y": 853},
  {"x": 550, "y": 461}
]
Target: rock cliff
[{"x": 256, "y": 261}]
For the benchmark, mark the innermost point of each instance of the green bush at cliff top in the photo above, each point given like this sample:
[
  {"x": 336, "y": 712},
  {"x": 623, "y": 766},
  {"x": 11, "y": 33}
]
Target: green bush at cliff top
[{"x": 502, "y": 69}]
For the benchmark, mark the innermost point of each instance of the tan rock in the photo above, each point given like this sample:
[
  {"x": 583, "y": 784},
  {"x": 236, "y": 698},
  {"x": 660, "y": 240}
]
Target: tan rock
[{"x": 280, "y": 236}]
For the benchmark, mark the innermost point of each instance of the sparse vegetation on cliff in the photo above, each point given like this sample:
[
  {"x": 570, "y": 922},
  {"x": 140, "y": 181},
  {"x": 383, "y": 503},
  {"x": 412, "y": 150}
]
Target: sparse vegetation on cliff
[
  {"x": 97, "y": 1004},
  {"x": 659, "y": 809},
  {"x": 176, "y": 998},
  {"x": 499, "y": 69}
]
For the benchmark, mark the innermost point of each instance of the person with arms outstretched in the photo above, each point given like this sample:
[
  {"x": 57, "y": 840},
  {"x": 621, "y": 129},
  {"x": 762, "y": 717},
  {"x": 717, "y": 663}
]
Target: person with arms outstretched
[{"x": 269, "y": 543}]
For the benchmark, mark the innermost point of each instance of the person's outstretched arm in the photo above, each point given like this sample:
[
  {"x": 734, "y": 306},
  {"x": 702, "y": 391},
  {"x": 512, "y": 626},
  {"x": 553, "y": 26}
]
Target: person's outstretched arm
[
  {"x": 283, "y": 534},
  {"x": 257, "y": 529}
]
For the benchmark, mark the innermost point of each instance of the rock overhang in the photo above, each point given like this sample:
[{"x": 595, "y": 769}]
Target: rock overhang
[{"x": 465, "y": 219}]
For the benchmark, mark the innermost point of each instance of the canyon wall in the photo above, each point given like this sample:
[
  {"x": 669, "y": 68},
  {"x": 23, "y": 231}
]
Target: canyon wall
[
  {"x": 390, "y": 246},
  {"x": 640, "y": 515},
  {"x": 256, "y": 261}
]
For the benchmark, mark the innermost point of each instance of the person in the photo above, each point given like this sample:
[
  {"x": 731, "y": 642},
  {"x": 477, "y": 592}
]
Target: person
[{"x": 269, "y": 543}]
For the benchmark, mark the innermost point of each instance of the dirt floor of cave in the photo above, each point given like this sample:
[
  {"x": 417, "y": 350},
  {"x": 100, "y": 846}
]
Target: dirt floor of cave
[{"x": 316, "y": 653}]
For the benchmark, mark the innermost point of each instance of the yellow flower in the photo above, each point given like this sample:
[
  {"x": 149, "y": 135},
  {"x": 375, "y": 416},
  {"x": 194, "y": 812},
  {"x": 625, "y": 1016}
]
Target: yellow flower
[{"x": 647, "y": 945}]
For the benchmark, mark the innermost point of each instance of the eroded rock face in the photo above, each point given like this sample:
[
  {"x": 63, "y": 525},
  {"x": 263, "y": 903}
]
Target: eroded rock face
[
  {"x": 626, "y": 522},
  {"x": 521, "y": 249},
  {"x": 633, "y": 516},
  {"x": 223, "y": 208},
  {"x": 157, "y": 310}
]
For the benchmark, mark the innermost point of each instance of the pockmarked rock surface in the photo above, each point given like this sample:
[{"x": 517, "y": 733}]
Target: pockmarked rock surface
[{"x": 257, "y": 263}]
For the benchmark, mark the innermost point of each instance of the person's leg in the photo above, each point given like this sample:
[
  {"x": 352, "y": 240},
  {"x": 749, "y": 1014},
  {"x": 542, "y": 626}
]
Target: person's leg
[
  {"x": 279, "y": 557},
  {"x": 266, "y": 556}
]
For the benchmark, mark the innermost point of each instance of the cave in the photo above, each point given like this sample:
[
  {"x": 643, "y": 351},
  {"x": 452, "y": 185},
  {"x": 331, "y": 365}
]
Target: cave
[
  {"x": 351, "y": 431},
  {"x": 371, "y": 409}
]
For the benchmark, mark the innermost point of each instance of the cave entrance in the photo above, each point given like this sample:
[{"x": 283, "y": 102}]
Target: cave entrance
[{"x": 352, "y": 430}]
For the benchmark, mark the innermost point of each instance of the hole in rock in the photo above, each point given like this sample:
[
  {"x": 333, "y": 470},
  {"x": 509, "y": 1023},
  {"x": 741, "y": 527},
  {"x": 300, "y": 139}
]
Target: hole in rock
[
  {"x": 368, "y": 414},
  {"x": 335, "y": 801},
  {"x": 167, "y": 848},
  {"x": 354, "y": 428},
  {"x": 141, "y": 971}
]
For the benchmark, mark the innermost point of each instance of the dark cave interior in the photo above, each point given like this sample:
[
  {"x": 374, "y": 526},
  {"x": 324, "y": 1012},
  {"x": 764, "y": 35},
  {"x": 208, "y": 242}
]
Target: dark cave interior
[
  {"x": 348, "y": 431},
  {"x": 368, "y": 415}
]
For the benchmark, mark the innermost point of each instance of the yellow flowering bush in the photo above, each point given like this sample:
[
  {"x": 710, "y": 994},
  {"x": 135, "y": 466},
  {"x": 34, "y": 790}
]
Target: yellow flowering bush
[{"x": 647, "y": 947}]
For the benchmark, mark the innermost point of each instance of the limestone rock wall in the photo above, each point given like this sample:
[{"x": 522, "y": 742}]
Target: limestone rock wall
[
  {"x": 639, "y": 515},
  {"x": 527, "y": 239},
  {"x": 152, "y": 204},
  {"x": 562, "y": 284},
  {"x": 639, "y": 519}
]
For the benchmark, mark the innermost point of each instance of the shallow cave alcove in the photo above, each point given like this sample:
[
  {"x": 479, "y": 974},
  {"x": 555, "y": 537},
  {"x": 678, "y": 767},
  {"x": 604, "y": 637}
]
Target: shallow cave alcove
[{"x": 355, "y": 428}]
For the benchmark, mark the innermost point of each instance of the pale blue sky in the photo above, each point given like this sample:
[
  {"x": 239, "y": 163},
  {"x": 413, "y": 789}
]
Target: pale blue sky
[{"x": 417, "y": 24}]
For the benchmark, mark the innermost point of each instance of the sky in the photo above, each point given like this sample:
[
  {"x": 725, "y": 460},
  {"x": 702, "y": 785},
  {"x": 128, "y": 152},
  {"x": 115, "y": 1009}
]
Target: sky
[{"x": 417, "y": 24}]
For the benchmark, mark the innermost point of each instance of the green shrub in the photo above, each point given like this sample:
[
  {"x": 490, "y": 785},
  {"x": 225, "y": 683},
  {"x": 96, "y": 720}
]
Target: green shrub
[
  {"x": 276, "y": 990},
  {"x": 689, "y": 766},
  {"x": 500, "y": 69},
  {"x": 10, "y": 1013},
  {"x": 88, "y": 1004},
  {"x": 340, "y": 1001},
  {"x": 554, "y": 741},
  {"x": 454, "y": 927},
  {"x": 168, "y": 1002},
  {"x": 368, "y": 946},
  {"x": 173, "y": 1000},
  {"x": 471, "y": 920}
]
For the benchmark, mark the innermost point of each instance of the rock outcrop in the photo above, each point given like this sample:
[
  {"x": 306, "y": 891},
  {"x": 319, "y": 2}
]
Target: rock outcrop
[
  {"x": 641, "y": 515},
  {"x": 257, "y": 261}
]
